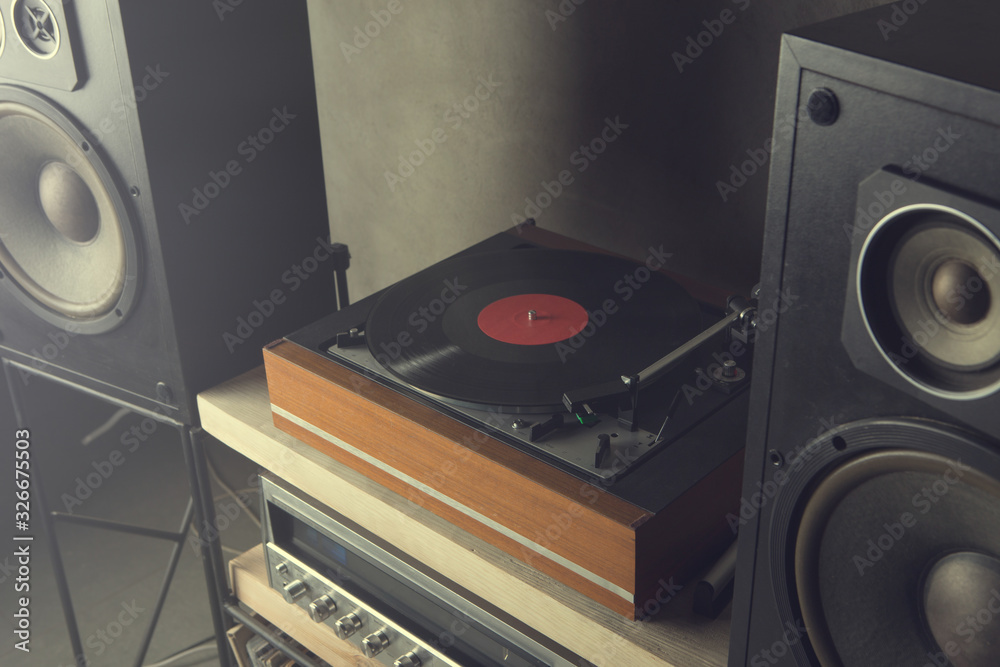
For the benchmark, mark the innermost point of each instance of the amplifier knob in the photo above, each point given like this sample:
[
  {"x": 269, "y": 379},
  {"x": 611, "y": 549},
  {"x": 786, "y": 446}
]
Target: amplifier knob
[
  {"x": 347, "y": 625},
  {"x": 281, "y": 569},
  {"x": 411, "y": 659},
  {"x": 294, "y": 590},
  {"x": 321, "y": 608},
  {"x": 375, "y": 643}
]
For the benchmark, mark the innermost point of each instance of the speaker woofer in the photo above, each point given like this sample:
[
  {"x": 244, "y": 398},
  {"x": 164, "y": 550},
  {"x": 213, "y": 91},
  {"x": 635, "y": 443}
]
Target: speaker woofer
[
  {"x": 880, "y": 545},
  {"x": 67, "y": 247},
  {"x": 929, "y": 287}
]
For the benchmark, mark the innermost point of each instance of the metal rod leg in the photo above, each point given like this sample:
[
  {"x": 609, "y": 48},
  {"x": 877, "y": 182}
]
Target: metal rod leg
[
  {"x": 48, "y": 529},
  {"x": 204, "y": 479},
  {"x": 209, "y": 544},
  {"x": 161, "y": 598}
]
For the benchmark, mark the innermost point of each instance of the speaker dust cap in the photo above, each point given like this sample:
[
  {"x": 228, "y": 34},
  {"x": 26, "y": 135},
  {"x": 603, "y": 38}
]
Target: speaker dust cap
[
  {"x": 67, "y": 247},
  {"x": 925, "y": 286}
]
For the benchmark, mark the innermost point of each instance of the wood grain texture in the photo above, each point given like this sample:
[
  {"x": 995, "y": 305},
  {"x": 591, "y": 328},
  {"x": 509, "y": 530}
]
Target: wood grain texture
[
  {"x": 238, "y": 413},
  {"x": 438, "y": 427},
  {"x": 238, "y": 636},
  {"x": 592, "y": 528},
  {"x": 464, "y": 522},
  {"x": 533, "y": 517}
]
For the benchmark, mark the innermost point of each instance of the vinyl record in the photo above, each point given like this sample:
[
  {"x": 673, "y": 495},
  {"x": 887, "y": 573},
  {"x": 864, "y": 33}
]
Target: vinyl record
[{"x": 519, "y": 328}]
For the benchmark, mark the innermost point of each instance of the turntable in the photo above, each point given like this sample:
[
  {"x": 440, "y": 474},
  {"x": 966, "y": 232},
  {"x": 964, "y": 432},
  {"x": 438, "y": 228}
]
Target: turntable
[{"x": 581, "y": 411}]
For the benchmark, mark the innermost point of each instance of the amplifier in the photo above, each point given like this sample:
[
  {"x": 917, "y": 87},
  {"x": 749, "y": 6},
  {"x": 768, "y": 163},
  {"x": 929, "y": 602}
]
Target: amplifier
[{"x": 391, "y": 608}]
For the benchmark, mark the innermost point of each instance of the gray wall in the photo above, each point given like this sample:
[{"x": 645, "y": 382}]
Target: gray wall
[{"x": 561, "y": 75}]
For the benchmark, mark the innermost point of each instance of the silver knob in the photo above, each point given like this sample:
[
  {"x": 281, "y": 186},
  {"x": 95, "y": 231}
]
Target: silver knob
[
  {"x": 294, "y": 590},
  {"x": 375, "y": 643},
  {"x": 281, "y": 568},
  {"x": 411, "y": 659},
  {"x": 347, "y": 625},
  {"x": 321, "y": 608}
]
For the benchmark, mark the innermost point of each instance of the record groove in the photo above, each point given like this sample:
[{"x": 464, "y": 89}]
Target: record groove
[{"x": 425, "y": 330}]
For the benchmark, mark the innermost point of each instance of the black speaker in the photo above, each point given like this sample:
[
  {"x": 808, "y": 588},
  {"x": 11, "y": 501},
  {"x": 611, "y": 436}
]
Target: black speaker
[
  {"x": 162, "y": 201},
  {"x": 870, "y": 519}
]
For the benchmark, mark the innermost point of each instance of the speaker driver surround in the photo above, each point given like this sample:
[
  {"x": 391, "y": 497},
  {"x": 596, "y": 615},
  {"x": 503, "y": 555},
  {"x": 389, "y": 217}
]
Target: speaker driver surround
[
  {"x": 929, "y": 289},
  {"x": 67, "y": 247}
]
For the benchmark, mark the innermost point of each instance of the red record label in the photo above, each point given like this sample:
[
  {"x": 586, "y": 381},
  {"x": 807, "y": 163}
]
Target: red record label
[{"x": 533, "y": 319}]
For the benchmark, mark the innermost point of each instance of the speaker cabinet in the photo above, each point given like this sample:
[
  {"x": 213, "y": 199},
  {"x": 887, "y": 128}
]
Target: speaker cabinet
[
  {"x": 162, "y": 202},
  {"x": 870, "y": 519}
]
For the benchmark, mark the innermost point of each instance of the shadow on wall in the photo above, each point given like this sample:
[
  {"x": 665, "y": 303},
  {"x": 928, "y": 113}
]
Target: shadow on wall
[{"x": 626, "y": 125}]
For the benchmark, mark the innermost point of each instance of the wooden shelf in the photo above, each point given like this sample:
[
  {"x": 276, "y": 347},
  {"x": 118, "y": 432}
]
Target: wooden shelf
[{"x": 239, "y": 414}]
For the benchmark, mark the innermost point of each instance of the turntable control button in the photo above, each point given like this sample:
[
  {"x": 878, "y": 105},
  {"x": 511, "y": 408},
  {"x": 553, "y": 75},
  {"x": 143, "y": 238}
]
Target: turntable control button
[
  {"x": 294, "y": 590},
  {"x": 347, "y": 625},
  {"x": 281, "y": 569},
  {"x": 375, "y": 643},
  {"x": 321, "y": 608},
  {"x": 728, "y": 373},
  {"x": 411, "y": 659}
]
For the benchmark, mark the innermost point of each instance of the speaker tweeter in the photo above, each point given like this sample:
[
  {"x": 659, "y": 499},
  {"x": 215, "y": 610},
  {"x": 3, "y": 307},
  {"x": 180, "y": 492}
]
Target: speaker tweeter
[
  {"x": 927, "y": 288},
  {"x": 37, "y": 27}
]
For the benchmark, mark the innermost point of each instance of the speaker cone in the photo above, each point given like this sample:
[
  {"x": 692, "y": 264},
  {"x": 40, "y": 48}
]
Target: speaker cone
[
  {"x": 929, "y": 285},
  {"x": 897, "y": 560},
  {"x": 67, "y": 247}
]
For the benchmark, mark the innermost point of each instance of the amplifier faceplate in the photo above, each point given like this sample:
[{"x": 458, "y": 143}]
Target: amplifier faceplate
[
  {"x": 391, "y": 610},
  {"x": 352, "y": 619}
]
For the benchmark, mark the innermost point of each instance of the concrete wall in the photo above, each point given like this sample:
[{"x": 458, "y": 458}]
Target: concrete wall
[{"x": 558, "y": 73}]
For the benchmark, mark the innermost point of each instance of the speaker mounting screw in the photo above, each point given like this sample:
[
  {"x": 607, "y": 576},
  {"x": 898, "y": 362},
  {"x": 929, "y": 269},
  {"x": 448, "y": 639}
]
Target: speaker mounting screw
[
  {"x": 823, "y": 107},
  {"x": 134, "y": 191},
  {"x": 776, "y": 459},
  {"x": 164, "y": 393}
]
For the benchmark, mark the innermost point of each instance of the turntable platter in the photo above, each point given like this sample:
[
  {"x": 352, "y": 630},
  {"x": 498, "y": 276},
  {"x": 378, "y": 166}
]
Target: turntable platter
[{"x": 516, "y": 329}]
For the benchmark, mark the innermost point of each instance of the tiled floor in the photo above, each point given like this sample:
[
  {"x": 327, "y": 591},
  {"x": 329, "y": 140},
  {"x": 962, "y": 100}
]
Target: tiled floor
[{"x": 125, "y": 475}]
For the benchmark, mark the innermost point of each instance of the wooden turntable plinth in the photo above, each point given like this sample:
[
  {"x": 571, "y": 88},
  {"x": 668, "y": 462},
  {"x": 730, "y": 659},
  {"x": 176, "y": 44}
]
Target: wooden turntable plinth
[{"x": 626, "y": 558}]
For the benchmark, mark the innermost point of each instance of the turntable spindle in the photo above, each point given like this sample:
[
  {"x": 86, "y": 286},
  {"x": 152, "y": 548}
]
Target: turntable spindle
[{"x": 532, "y": 315}]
